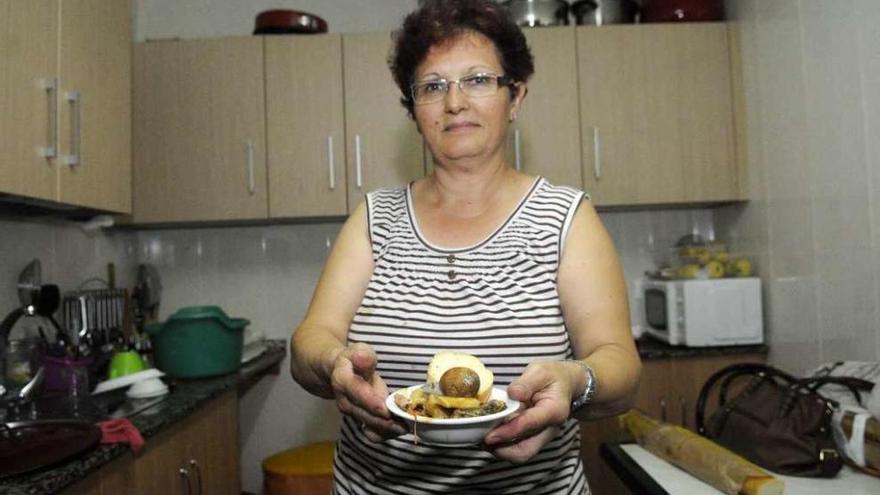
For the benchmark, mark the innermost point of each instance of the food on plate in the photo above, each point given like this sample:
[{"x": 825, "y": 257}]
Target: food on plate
[{"x": 458, "y": 385}]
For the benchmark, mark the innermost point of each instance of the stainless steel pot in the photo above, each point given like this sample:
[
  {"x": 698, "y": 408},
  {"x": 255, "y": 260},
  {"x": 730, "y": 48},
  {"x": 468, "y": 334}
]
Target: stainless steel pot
[
  {"x": 534, "y": 13},
  {"x": 600, "y": 12}
]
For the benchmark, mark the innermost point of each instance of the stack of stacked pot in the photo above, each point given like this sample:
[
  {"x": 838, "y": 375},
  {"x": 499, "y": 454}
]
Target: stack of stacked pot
[{"x": 533, "y": 13}]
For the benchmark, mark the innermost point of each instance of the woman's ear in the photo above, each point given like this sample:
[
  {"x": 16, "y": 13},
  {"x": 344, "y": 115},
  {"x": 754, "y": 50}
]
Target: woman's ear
[{"x": 519, "y": 91}]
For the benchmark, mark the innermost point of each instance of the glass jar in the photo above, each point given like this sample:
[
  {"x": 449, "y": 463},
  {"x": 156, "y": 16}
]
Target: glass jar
[{"x": 20, "y": 362}]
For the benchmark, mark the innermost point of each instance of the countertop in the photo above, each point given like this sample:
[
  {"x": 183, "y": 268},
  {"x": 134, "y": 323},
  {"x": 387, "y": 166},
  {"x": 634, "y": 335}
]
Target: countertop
[
  {"x": 185, "y": 397},
  {"x": 651, "y": 348},
  {"x": 646, "y": 474}
]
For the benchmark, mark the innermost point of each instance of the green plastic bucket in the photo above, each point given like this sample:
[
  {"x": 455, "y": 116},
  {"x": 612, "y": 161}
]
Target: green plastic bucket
[{"x": 198, "y": 342}]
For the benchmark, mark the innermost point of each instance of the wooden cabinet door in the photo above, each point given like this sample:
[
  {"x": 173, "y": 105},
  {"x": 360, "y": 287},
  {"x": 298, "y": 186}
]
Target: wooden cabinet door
[
  {"x": 28, "y": 97},
  {"x": 95, "y": 105},
  {"x": 305, "y": 126},
  {"x": 383, "y": 147},
  {"x": 656, "y": 113},
  {"x": 199, "y": 130},
  {"x": 213, "y": 444},
  {"x": 546, "y": 134}
]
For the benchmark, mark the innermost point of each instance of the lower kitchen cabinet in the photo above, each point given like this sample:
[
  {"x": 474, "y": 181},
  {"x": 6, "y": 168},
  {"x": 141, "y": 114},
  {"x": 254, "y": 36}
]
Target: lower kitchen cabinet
[
  {"x": 199, "y": 456},
  {"x": 669, "y": 389}
]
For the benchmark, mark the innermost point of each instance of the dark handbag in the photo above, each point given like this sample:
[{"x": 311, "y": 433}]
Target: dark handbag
[{"x": 776, "y": 420}]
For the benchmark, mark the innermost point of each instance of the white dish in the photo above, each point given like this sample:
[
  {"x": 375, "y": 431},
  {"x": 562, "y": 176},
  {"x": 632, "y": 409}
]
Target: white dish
[
  {"x": 452, "y": 431},
  {"x": 124, "y": 381},
  {"x": 144, "y": 389}
]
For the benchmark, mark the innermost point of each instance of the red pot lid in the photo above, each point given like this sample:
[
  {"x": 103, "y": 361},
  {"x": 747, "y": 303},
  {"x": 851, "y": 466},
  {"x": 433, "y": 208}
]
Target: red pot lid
[{"x": 281, "y": 21}]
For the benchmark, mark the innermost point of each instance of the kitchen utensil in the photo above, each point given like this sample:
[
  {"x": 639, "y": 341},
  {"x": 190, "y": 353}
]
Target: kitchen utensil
[
  {"x": 58, "y": 376},
  {"x": 453, "y": 431},
  {"x": 29, "y": 282},
  {"x": 198, "y": 341},
  {"x": 125, "y": 363},
  {"x": 28, "y": 445},
  {"x": 145, "y": 389},
  {"x": 601, "y": 12},
  {"x": 534, "y": 13},
  {"x": 682, "y": 10},
  {"x": 284, "y": 21},
  {"x": 127, "y": 380},
  {"x": 94, "y": 317}
]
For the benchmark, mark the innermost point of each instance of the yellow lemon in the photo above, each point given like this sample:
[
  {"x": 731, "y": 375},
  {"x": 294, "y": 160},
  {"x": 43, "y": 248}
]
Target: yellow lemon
[
  {"x": 702, "y": 255},
  {"x": 715, "y": 269},
  {"x": 688, "y": 271}
]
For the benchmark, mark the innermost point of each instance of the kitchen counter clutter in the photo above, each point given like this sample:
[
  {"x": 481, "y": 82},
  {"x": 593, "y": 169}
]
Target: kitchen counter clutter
[
  {"x": 650, "y": 348},
  {"x": 109, "y": 468}
]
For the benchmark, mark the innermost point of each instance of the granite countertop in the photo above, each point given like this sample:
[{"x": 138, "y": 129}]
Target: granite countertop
[
  {"x": 185, "y": 397},
  {"x": 651, "y": 348}
]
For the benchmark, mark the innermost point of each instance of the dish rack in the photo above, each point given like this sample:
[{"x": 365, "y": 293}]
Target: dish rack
[{"x": 95, "y": 318}]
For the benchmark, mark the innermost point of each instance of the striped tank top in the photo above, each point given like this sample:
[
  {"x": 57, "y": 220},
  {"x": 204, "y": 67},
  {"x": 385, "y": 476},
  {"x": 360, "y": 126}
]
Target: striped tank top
[{"x": 497, "y": 300}]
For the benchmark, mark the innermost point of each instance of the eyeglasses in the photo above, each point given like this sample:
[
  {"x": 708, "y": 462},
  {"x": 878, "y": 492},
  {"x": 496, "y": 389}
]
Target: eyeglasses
[{"x": 473, "y": 86}]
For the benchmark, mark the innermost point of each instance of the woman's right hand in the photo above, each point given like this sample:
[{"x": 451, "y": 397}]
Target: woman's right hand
[{"x": 360, "y": 392}]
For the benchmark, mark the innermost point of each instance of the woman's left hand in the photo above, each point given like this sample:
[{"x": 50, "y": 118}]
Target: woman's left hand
[{"x": 544, "y": 390}]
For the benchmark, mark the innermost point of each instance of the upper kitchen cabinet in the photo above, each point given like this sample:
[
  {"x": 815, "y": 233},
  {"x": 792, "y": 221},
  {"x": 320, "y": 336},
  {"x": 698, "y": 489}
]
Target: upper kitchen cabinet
[
  {"x": 95, "y": 104},
  {"x": 199, "y": 130},
  {"x": 545, "y": 137},
  {"x": 657, "y": 122},
  {"x": 65, "y": 86},
  {"x": 383, "y": 147},
  {"x": 306, "y": 126}
]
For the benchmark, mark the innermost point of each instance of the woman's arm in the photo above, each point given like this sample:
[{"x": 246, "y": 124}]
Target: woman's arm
[
  {"x": 594, "y": 303},
  {"x": 321, "y": 337}
]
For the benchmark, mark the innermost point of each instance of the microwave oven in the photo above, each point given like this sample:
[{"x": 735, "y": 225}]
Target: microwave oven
[{"x": 701, "y": 313}]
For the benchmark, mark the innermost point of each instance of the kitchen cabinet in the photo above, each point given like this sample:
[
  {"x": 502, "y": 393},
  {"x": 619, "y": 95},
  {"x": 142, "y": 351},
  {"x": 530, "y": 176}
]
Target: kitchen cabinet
[
  {"x": 656, "y": 106},
  {"x": 199, "y": 456},
  {"x": 306, "y": 126},
  {"x": 383, "y": 147},
  {"x": 545, "y": 137},
  {"x": 199, "y": 130},
  {"x": 65, "y": 86},
  {"x": 669, "y": 389}
]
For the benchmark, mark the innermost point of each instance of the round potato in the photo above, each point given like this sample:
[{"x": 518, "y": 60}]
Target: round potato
[{"x": 460, "y": 382}]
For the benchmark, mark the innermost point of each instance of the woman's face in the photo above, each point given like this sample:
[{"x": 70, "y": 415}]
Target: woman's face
[{"x": 459, "y": 126}]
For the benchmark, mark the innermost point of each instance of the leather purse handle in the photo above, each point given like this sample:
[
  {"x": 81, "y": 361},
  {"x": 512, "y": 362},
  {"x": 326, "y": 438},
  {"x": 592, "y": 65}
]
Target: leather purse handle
[{"x": 729, "y": 373}]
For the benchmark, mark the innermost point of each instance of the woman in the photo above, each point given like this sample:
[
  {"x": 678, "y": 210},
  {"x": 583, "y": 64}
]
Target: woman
[{"x": 478, "y": 258}]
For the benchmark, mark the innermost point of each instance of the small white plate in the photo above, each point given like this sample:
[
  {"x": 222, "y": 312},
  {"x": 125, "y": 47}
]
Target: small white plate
[
  {"x": 452, "y": 431},
  {"x": 145, "y": 389},
  {"x": 124, "y": 381}
]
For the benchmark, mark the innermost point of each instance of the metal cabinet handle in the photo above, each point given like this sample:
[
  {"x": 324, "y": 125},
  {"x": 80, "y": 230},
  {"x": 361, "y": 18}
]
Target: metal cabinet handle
[
  {"x": 517, "y": 162},
  {"x": 198, "y": 470},
  {"x": 252, "y": 186},
  {"x": 330, "y": 164},
  {"x": 73, "y": 159},
  {"x": 184, "y": 479},
  {"x": 597, "y": 154},
  {"x": 358, "y": 165},
  {"x": 663, "y": 409},
  {"x": 51, "y": 88}
]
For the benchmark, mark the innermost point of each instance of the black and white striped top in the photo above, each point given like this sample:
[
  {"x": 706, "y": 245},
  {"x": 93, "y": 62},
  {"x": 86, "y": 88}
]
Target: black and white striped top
[{"x": 497, "y": 300}]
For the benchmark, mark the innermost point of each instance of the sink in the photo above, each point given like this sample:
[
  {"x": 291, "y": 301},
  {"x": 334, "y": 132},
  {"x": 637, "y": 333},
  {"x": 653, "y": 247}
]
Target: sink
[{"x": 32, "y": 444}]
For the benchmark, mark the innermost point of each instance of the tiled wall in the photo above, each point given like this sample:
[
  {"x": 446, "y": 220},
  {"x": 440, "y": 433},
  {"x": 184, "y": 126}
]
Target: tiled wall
[
  {"x": 68, "y": 255},
  {"x": 812, "y": 84}
]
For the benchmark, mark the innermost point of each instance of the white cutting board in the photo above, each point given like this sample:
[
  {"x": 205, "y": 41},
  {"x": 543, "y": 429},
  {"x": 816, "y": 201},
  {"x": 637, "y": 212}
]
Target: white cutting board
[{"x": 677, "y": 481}]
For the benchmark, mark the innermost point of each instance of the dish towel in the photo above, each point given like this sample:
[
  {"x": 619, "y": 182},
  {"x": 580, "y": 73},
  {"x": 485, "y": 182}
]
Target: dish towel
[{"x": 121, "y": 431}]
